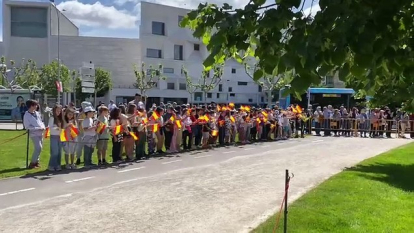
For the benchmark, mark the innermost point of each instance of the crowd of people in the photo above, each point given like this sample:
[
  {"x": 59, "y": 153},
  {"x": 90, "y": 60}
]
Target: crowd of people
[{"x": 138, "y": 134}]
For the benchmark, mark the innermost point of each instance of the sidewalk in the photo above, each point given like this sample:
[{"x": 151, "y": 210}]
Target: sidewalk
[{"x": 11, "y": 126}]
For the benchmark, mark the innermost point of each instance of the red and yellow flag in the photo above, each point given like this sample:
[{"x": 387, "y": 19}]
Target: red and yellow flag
[
  {"x": 298, "y": 109},
  {"x": 47, "y": 132},
  {"x": 214, "y": 133},
  {"x": 155, "y": 115},
  {"x": 145, "y": 121},
  {"x": 74, "y": 132},
  {"x": 63, "y": 137},
  {"x": 172, "y": 118},
  {"x": 155, "y": 128},
  {"x": 118, "y": 129},
  {"x": 101, "y": 128},
  {"x": 178, "y": 123},
  {"x": 265, "y": 114},
  {"x": 231, "y": 105},
  {"x": 134, "y": 136},
  {"x": 232, "y": 119}
]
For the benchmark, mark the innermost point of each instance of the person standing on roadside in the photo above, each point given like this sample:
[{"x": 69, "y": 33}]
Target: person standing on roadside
[{"x": 32, "y": 121}]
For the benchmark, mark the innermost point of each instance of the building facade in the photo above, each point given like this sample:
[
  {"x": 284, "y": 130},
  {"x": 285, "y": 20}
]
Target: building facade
[{"x": 39, "y": 31}]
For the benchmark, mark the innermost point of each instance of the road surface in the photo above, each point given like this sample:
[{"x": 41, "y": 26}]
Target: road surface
[{"x": 223, "y": 190}]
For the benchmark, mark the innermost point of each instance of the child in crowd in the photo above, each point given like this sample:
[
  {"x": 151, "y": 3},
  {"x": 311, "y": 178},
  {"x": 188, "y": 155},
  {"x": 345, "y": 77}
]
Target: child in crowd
[
  {"x": 103, "y": 134},
  {"x": 150, "y": 134},
  {"x": 70, "y": 145},
  {"x": 55, "y": 127},
  {"x": 89, "y": 136}
]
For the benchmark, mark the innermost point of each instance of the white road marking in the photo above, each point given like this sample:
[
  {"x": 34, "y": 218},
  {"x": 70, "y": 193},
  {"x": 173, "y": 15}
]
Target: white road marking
[
  {"x": 76, "y": 180},
  {"x": 17, "y": 191},
  {"x": 172, "y": 161},
  {"x": 317, "y": 141},
  {"x": 65, "y": 195},
  {"x": 125, "y": 181},
  {"x": 228, "y": 152},
  {"x": 249, "y": 149},
  {"x": 199, "y": 157},
  {"x": 132, "y": 169}
]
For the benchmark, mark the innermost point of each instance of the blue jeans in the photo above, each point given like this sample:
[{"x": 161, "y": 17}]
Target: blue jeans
[
  {"x": 55, "y": 151},
  {"x": 38, "y": 145},
  {"x": 87, "y": 155}
]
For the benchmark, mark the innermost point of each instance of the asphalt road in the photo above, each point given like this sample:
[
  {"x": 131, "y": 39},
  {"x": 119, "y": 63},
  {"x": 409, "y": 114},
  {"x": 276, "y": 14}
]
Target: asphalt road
[{"x": 222, "y": 190}]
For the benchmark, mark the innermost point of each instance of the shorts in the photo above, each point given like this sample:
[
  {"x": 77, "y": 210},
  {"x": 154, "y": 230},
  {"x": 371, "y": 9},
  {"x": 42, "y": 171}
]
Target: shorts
[
  {"x": 286, "y": 129},
  {"x": 69, "y": 147},
  {"x": 102, "y": 144}
]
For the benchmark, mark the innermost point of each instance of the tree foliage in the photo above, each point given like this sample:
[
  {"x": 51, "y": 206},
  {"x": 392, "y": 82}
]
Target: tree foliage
[
  {"x": 146, "y": 79},
  {"x": 269, "y": 82},
  {"x": 208, "y": 82},
  {"x": 369, "y": 43},
  {"x": 49, "y": 74},
  {"x": 191, "y": 86},
  {"x": 25, "y": 75},
  {"x": 103, "y": 83}
]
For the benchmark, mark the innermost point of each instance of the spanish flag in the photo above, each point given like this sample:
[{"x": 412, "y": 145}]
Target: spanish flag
[
  {"x": 63, "y": 137},
  {"x": 299, "y": 109},
  {"x": 74, "y": 132},
  {"x": 247, "y": 108},
  {"x": 178, "y": 123},
  {"x": 218, "y": 108},
  {"x": 47, "y": 132},
  {"x": 221, "y": 123},
  {"x": 101, "y": 128},
  {"x": 232, "y": 119},
  {"x": 189, "y": 111},
  {"x": 134, "y": 136},
  {"x": 264, "y": 114},
  {"x": 214, "y": 133},
  {"x": 231, "y": 105},
  {"x": 203, "y": 118},
  {"x": 206, "y": 117},
  {"x": 155, "y": 128},
  {"x": 118, "y": 129},
  {"x": 242, "y": 108},
  {"x": 172, "y": 118},
  {"x": 155, "y": 115},
  {"x": 145, "y": 121},
  {"x": 294, "y": 110}
]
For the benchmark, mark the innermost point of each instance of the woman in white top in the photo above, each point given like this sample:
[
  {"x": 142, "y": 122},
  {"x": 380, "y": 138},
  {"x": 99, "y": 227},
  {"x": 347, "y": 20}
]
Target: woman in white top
[
  {"x": 70, "y": 145},
  {"x": 55, "y": 127}
]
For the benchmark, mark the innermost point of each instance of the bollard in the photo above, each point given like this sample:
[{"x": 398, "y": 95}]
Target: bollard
[
  {"x": 27, "y": 150},
  {"x": 286, "y": 201}
]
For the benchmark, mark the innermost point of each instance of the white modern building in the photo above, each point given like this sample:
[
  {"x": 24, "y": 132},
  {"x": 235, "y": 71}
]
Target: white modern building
[{"x": 39, "y": 31}]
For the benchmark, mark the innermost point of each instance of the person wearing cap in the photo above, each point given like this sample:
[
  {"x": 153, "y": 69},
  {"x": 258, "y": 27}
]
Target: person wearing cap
[
  {"x": 81, "y": 117},
  {"x": 89, "y": 136},
  {"x": 103, "y": 137}
]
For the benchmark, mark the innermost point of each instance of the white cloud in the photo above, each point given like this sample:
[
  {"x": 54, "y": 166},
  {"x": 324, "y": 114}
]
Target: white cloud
[
  {"x": 186, "y": 3},
  {"x": 97, "y": 15},
  {"x": 312, "y": 10}
]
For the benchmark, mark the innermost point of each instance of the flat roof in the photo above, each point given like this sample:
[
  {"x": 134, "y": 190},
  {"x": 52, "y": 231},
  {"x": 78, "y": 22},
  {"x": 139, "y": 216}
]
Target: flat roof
[{"x": 317, "y": 90}]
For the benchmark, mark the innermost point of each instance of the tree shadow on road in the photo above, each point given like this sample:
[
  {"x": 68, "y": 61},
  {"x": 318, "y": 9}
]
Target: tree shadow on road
[{"x": 397, "y": 175}]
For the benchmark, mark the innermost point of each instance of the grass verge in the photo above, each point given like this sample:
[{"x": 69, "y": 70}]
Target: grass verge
[{"x": 376, "y": 195}]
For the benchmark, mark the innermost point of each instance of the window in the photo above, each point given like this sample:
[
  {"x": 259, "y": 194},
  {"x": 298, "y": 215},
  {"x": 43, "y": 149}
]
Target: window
[
  {"x": 233, "y": 71},
  {"x": 198, "y": 96},
  {"x": 329, "y": 80},
  {"x": 29, "y": 22},
  {"x": 196, "y": 47},
  {"x": 232, "y": 95},
  {"x": 250, "y": 100},
  {"x": 183, "y": 86},
  {"x": 209, "y": 95},
  {"x": 242, "y": 83},
  {"x": 154, "y": 53},
  {"x": 180, "y": 18},
  {"x": 260, "y": 88},
  {"x": 262, "y": 99},
  {"x": 178, "y": 52},
  {"x": 230, "y": 89},
  {"x": 171, "y": 86},
  {"x": 158, "y": 28},
  {"x": 168, "y": 70},
  {"x": 220, "y": 87},
  {"x": 218, "y": 95}
]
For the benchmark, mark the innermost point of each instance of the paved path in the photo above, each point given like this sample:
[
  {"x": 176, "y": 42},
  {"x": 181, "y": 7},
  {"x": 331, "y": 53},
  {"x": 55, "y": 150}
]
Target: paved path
[
  {"x": 224, "y": 190},
  {"x": 11, "y": 126}
]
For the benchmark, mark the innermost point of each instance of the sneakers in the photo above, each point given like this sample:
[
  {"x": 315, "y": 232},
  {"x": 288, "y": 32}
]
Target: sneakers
[
  {"x": 73, "y": 166},
  {"x": 78, "y": 161},
  {"x": 51, "y": 169},
  {"x": 68, "y": 166}
]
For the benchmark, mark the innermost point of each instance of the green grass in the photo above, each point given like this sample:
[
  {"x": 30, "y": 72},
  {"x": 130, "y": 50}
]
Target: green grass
[
  {"x": 13, "y": 154},
  {"x": 376, "y": 195}
]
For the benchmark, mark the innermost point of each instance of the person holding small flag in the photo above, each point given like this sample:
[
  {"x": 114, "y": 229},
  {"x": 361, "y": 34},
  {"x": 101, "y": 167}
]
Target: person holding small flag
[
  {"x": 139, "y": 128},
  {"x": 103, "y": 134},
  {"x": 89, "y": 136},
  {"x": 71, "y": 133},
  {"x": 56, "y": 129}
]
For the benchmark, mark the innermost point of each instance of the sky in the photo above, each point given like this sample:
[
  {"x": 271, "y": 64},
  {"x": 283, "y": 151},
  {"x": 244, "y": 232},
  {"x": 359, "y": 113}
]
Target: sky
[{"x": 120, "y": 18}]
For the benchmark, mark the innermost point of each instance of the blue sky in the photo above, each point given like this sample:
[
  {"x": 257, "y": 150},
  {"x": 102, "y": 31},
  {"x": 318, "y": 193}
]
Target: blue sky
[{"x": 120, "y": 18}]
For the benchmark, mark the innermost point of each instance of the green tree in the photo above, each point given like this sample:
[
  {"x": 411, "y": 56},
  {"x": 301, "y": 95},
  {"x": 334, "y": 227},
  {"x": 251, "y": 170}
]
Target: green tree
[
  {"x": 191, "y": 87},
  {"x": 207, "y": 82},
  {"x": 146, "y": 79},
  {"x": 369, "y": 43},
  {"x": 49, "y": 76},
  {"x": 103, "y": 83},
  {"x": 268, "y": 82},
  {"x": 25, "y": 75}
]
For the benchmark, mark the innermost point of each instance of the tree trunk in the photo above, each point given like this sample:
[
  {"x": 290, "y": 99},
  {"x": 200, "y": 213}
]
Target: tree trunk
[{"x": 269, "y": 98}]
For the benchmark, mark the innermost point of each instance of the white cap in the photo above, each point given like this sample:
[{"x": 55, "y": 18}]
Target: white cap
[{"x": 89, "y": 109}]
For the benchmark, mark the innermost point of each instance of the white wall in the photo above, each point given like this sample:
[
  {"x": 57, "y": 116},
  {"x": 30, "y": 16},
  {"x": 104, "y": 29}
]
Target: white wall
[{"x": 67, "y": 28}]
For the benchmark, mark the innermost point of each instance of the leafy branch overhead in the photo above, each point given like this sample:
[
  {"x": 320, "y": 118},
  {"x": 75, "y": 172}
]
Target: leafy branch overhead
[
  {"x": 268, "y": 82},
  {"x": 190, "y": 85},
  {"x": 368, "y": 43}
]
